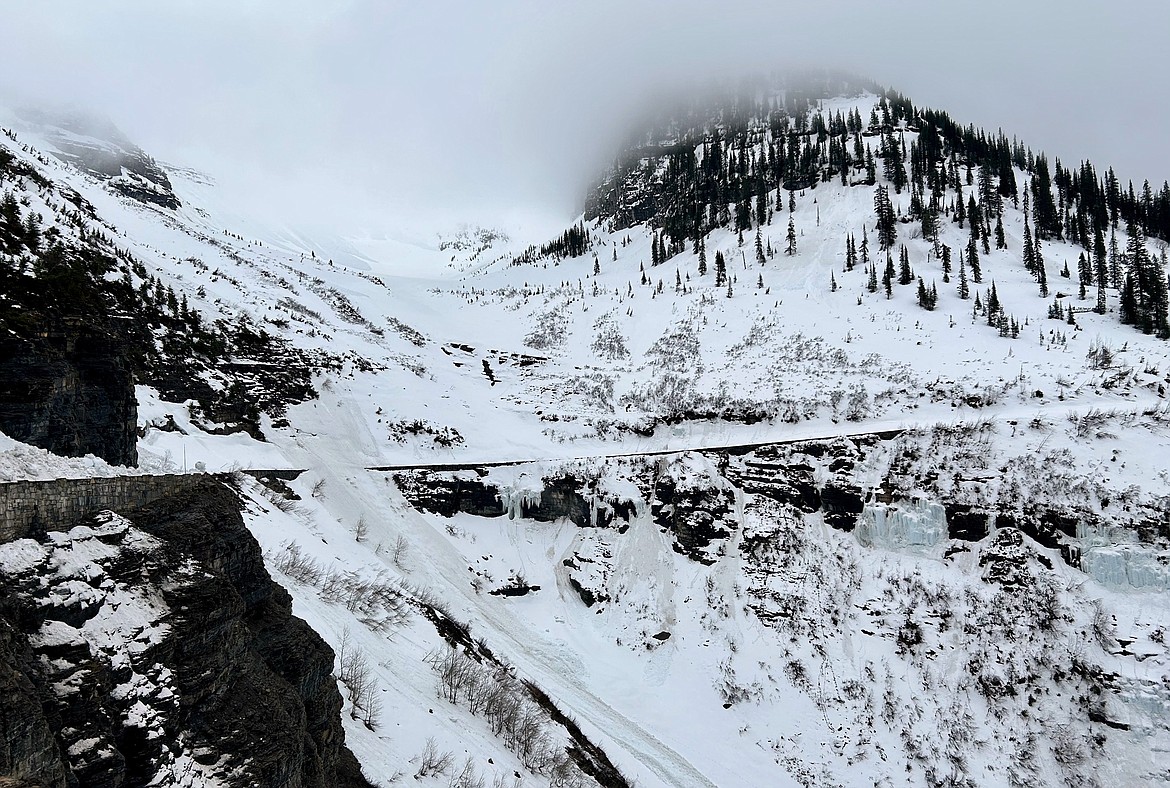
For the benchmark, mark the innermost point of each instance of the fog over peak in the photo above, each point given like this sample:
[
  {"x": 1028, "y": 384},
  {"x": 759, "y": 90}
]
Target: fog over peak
[{"x": 363, "y": 115}]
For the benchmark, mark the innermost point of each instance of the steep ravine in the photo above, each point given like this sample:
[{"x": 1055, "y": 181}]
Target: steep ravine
[{"x": 153, "y": 648}]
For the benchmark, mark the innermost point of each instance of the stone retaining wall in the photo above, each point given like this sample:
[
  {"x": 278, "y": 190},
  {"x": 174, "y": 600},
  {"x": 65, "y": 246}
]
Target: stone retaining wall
[{"x": 28, "y": 507}]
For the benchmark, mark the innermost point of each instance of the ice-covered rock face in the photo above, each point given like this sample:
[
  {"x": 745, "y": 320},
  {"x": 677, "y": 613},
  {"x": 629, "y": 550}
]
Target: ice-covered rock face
[
  {"x": 902, "y": 524},
  {"x": 1127, "y": 566}
]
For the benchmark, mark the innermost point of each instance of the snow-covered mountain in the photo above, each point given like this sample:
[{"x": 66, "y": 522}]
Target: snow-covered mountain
[{"x": 689, "y": 495}]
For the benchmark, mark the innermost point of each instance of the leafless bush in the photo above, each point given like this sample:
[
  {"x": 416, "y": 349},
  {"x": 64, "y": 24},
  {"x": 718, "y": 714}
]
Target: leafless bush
[
  {"x": 549, "y": 330},
  {"x": 298, "y": 566},
  {"x": 399, "y": 553},
  {"x": 1092, "y": 423},
  {"x": 238, "y": 479},
  {"x": 361, "y": 529},
  {"x": 431, "y": 761},
  {"x": 609, "y": 342},
  {"x": 376, "y": 601},
  {"x": 359, "y": 684},
  {"x": 467, "y": 777},
  {"x": 521, "y": 724},
  {"x": 281, "y": 502},
  {"x": 1103, "y": 627},
  {"x": 318, "y": 488}
]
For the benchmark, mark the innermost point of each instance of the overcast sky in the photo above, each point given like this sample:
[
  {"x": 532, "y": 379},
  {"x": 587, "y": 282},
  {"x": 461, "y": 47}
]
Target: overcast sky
[{"x": 374, "y": 113}]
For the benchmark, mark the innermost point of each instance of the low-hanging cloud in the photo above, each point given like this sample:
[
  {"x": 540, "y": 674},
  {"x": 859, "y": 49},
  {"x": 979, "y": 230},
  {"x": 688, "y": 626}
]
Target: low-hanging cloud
[{"x": 362, "y": 114}]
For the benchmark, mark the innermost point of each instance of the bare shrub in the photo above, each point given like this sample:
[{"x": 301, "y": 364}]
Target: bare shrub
[
  {"x": 467, "y": 777},
  {"x": 302, "y": 568},
  {"x": 359, "y": 683},
  {"x": 518, "y": 721},
  {"x": 376, "y": 601},
  {"x": 399, "y": 554},
  {"x": 432, "y": 762}
]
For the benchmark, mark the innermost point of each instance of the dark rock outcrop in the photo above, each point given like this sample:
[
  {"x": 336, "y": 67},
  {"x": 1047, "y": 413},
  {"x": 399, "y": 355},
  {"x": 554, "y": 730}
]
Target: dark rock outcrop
[
  {"x": 98, "y": 148},
  {"x": 248, "y": 686},
  {"x": 697, "y": 515},
  {"x": 67, "y": 388},
  {"x": 842, "y": 504},
  {"x": 965, "y": 522},
  {"x": 782, "y": 480},
  {"x": 445, "y": 493},
  {"x": 561, "y": 497},
  {"x": 29, "y": 753}
]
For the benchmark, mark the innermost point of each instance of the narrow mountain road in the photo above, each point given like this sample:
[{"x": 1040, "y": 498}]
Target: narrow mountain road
[
  {"x": 883, "y": 431},
  {"x": 733, "y": 448}
]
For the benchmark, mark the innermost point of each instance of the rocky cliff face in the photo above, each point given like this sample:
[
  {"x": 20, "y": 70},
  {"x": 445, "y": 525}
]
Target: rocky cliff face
[
  {"x": 67, "y": 388},
  {"x": 155, "y": 649},
  {"x": 98, "y": 148}
]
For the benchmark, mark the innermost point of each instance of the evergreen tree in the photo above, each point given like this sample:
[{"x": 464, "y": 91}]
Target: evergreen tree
[
  {"x": 1127, "y": 303},
  {"x": 993, "y": 306},
  {"x": 905, "y": 275},
  {"x": 1140, "y": 272},
  {"x": 791, "y": 248},
  {"x": 1029, "y": 253},
  {"x": 832, "y": 282},
  {"x": 946, "y": 263},
  {"x": 1100, "y": 261},
  {"x": 888, "y": 276},
  {"x": 1084, "y": 269},
  {"x": 1000, "y": 239},
  {"x": 1041, "y": 274},
  {"x": 1160, "y": 298},
  {"x": 964, "y": 291},
  {"x": 1043, "y": 207},
  {"x": 930, "y": 220},
  {"x": 720, "y": 270},
  {"x": 973, "y": 259},
  {"x": 760, "y": 259},
  {"x": 1114, "y": 260},
  {"x": 703, "y": 257},
  {"x": 872, "y": 283},
  {"x": 926, "y": 298},
  {"x": 975, "y": 218},
  {"x": 886, "y": 221}
]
